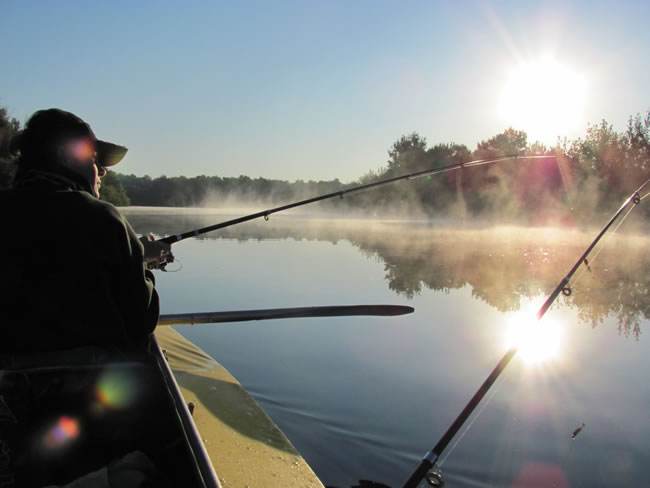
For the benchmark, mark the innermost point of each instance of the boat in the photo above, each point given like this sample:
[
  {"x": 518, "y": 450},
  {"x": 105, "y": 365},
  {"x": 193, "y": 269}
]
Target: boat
[
  {"x": 243, "y": 443},
  {"x": 167, "y": 417}
]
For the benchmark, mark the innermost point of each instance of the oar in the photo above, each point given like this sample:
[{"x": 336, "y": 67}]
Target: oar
[{"x": 283, "y": 313}]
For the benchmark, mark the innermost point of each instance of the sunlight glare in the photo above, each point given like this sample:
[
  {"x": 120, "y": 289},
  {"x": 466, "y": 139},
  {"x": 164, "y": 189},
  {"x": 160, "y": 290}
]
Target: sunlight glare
[
  {"x": 544, "y": 98},
  {"x": 537, "y": 341}
]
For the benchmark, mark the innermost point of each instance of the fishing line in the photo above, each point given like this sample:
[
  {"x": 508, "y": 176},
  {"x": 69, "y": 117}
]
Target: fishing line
[
  {"x": 587, "y": 267},
  {"x": 569, "y": 460},
  {"x": 471, "y": 423},
  {"x": 612, "y": 232}
]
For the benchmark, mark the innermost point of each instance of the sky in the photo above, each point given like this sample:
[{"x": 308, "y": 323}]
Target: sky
[{"x": 319, "y": 90}]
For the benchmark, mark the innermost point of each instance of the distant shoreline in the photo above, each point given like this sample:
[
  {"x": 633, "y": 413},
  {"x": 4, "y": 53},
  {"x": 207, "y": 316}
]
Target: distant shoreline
[{"x": 449, "y": 223}]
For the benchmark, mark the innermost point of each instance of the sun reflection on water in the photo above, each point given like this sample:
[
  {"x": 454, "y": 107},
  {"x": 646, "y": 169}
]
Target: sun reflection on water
[{"x": 537, "y": 341}]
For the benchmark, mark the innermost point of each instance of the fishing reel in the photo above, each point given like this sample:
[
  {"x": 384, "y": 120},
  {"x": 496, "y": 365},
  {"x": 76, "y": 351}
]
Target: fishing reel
[
  {"x": 157, "y": 254},
  {"x": 165, "y": 259},
  {"x": 434, "y": 477}
]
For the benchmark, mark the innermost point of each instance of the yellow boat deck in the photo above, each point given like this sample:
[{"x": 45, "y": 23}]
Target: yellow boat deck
[{"x": 246, "y": 448}]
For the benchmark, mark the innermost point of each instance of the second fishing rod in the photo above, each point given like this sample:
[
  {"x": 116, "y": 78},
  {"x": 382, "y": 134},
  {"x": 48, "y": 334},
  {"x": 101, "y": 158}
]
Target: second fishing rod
[
  {"x": 340, "y": 194},
  {"x": 428, "y": 463}
]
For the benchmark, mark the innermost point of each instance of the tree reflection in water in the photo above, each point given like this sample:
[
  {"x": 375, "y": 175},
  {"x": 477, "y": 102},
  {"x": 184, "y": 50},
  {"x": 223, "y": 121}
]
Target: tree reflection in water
[{"x": 502, "y": 265}]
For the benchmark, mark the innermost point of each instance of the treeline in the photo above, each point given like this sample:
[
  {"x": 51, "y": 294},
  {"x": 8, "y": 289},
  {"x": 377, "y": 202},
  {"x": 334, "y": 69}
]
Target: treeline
[
  {"x": 217, "y": 191},
  {"x": 589, "y": 176}
]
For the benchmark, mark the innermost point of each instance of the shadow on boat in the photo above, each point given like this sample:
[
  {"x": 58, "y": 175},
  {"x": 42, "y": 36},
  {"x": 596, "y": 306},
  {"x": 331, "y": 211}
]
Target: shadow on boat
[{"x": 230, "y": 404}]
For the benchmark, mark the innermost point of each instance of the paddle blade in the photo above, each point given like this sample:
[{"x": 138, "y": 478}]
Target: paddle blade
[{"x": 284, "y": 313}]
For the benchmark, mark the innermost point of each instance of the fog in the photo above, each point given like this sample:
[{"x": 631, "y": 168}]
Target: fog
[{"x": 502, "y": 264}]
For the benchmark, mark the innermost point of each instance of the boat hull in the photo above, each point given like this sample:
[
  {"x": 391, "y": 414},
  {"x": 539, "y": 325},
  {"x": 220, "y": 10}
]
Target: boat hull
[{"x": 246, "y": 448}]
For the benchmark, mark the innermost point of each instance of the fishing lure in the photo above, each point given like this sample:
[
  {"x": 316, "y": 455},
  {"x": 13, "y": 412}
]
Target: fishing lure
[{"x": 577, "y": 431}]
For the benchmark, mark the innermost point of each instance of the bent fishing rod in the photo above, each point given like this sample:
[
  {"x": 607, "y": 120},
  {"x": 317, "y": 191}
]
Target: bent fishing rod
[
  {"x": 341, "y": 193},
  {"x": 563, "y": 287}
]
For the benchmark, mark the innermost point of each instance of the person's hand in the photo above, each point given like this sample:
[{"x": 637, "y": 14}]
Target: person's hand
[{"x": 156, "y": 253}]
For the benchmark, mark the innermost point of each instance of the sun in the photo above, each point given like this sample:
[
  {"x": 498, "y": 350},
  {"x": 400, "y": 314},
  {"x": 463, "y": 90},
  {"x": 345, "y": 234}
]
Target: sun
[
  {"x": 537, "y": 341},
  {"x": 544, "y": 98}
]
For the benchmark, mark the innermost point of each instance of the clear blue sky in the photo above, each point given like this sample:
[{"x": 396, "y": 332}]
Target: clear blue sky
[{"x": 303, "y": 89}]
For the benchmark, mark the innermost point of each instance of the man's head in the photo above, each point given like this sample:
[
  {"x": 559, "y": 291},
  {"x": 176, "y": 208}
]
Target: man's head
[{"x": 59, "y": 141}]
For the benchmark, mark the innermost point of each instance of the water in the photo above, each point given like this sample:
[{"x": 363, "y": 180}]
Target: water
[{"x": 365, "y": 398}]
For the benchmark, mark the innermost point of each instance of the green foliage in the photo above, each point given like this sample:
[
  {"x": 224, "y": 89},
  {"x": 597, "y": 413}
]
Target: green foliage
[
  {"x": 203, "y": 190},
  {"x": 113, "y": 192},
  {"x": 510, "y": 142},
  {"x": 408, "y": 154},
  {"x": 9, "y": 126}
]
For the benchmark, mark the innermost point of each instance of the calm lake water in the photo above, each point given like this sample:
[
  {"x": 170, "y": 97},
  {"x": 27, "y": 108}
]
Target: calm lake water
[{"x": 365, "y": 398}]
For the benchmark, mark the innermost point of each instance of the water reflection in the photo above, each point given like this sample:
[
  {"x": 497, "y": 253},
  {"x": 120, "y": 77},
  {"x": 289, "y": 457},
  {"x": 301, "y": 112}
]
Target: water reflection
[
  {"x": 536, "y": 341},
  {"x": 502, "y": 267},
  {"x": 364, "y": 398}
]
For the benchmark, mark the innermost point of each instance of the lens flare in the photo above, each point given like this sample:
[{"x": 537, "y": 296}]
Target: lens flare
[
  {"x": 115, "y": 390},
  {"x": 63, "y": 432},
  {"x": 541, "y": 474},
  {"x": 82, "y": 149},
  {"x": 537, "y": 341}
]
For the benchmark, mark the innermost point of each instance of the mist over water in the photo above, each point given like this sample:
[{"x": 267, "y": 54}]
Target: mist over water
[{"x": 366, "y": 397}]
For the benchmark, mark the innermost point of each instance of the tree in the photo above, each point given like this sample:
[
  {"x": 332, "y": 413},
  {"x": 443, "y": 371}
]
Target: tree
[
  {"x": 112, "y": 191},
  {"x": 9, "y": 126},
  {"x": 637, "y": 150},
  {"x": 509, "y": 143},
  {"x": 408, "y": 153}
]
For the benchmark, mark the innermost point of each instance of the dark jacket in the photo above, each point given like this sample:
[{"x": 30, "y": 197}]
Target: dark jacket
[{"x": 72, "y": 272}]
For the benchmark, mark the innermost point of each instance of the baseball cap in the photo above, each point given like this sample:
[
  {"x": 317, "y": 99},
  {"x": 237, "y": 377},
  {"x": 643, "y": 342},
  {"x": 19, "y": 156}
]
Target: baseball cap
[{"x": 47, "y": 129}]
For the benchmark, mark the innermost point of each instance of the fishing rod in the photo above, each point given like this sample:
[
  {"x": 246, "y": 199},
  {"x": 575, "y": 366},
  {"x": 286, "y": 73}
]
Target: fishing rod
[
  {"x": 563, "y": 287},
  {"x": 284, "y": 313},
  {"x": 266, "y": 213}
]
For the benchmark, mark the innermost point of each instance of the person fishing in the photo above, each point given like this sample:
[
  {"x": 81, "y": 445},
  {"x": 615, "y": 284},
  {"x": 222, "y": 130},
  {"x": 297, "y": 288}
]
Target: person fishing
[{"x": 74, "y": 272}]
